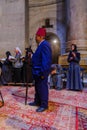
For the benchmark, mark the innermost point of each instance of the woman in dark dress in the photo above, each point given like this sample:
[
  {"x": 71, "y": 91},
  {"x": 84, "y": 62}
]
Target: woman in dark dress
[
  {"x": 73, "y": 77},
  {"x": 6, "y": 74}
]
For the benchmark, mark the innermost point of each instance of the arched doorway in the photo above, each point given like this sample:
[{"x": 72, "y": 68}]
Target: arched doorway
[{"x": 55, "y": 44}]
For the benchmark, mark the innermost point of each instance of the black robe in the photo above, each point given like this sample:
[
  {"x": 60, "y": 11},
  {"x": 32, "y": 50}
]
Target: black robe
[{"x": 73, "y": 77}]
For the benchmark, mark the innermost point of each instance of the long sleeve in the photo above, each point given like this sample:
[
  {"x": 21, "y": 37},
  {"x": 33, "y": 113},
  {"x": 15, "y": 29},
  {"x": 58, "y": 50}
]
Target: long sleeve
[
  {"x": 74, "y": 59},
  {"x": 77, "y": 58},
  {"x": 46, "y": 58}
]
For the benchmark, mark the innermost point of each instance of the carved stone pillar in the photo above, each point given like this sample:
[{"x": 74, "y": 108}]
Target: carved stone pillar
[
  {"x": 76, "y": 17},
  {"x": 77, "y": 24},
  {"x": 26, "y": 23}
]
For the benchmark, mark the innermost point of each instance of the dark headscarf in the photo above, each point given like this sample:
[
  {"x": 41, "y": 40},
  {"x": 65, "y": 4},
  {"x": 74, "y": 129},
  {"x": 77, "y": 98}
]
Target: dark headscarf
[
  {"x": 75, "y": 47},
  {"x": 8, "y": 54}
]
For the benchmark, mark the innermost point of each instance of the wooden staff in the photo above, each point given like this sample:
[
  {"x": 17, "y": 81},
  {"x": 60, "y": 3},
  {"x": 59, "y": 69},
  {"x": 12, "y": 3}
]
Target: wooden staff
[{"x": 26, "y": 96}]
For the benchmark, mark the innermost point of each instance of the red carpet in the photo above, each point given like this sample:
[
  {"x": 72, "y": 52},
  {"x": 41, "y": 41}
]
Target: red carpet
[{"x": 67, "y": 111}]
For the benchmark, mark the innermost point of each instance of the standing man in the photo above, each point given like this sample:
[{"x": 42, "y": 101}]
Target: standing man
[{"x": 41, "y": 63}]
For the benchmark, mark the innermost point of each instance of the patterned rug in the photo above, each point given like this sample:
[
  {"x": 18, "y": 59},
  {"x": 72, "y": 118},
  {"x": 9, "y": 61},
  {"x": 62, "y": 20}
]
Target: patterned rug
[
  {"x": 67, "y": 110},
  {"x": 81, "y": 119}
]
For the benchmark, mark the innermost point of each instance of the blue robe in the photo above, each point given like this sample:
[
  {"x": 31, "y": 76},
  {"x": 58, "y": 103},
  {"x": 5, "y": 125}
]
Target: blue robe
[
  {"x": 41, "y": 63},
  {"x": 73, "y": 77}
]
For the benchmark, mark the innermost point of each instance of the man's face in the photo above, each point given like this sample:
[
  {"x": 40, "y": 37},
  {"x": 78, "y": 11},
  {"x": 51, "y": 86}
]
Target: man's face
[{"x": 38, "y": 39}]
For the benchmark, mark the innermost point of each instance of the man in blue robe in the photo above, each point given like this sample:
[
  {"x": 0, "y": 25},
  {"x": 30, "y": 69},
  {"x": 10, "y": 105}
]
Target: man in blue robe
[{"x": 41, "y": 63}]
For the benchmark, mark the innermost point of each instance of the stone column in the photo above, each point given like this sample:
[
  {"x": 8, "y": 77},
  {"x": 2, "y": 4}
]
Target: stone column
[
  {"x": 26, "y": 23},
  {"x": 77, "y": 24},
  {"x": 76, "y": 19}
]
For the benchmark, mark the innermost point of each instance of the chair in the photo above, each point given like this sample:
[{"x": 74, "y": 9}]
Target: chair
[{"x": 82, "y": 75}]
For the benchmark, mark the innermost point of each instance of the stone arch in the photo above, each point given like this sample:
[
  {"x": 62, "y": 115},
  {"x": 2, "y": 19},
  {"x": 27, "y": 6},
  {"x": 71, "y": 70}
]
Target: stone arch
[{"x": 53, "y": 39}]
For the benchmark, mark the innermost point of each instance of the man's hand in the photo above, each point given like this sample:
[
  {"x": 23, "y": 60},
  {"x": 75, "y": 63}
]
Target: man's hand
[
  {"x": 42, "y": 77},
  {"x": 73, "y": 54}
]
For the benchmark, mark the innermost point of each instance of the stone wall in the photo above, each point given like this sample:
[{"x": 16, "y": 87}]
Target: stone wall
[{"x": 12, "y": 25}]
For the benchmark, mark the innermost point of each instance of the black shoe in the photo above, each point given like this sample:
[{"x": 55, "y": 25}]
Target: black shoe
[
  {"x": 58, "y": 89},
  {"x": 52, "y": 87},
  {"x": 33, "y": 104},
  {"x": 41, "y": 109}
]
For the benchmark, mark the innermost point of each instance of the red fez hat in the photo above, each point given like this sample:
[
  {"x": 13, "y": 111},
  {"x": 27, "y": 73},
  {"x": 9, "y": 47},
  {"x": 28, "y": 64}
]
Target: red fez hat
[{"x": 41, "y": 32}]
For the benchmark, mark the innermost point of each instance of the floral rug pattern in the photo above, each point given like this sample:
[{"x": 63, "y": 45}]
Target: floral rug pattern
[{"x": 67, "y": 110}]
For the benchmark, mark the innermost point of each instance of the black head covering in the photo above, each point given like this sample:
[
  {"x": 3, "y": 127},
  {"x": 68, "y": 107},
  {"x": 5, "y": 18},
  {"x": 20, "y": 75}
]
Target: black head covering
[
  {"x": 75, "y": 47},
  {"x": 29, "y": 50},
  {"x": 8, "y": 53}
]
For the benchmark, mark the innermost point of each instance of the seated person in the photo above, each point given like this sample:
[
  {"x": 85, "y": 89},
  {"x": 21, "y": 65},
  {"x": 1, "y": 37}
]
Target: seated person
[
  {"x": 17, "y": 65},
  {"x": 55, "y": 77},
  {"x": 6, "y": 70}
]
